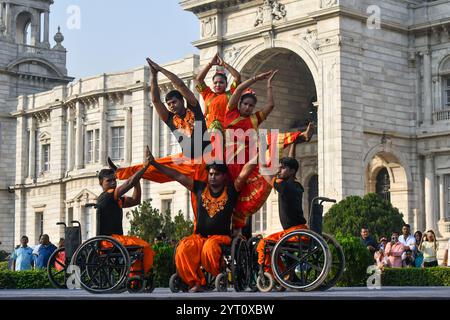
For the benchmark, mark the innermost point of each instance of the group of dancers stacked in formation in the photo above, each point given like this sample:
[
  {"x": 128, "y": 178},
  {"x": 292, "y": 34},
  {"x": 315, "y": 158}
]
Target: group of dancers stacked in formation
[{"x": 224, "y": 192}]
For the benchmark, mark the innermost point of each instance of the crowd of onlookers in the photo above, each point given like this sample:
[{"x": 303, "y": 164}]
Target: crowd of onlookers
[
  {"x": 26, "y": 257},
  {"x": 405, "y": 250}
]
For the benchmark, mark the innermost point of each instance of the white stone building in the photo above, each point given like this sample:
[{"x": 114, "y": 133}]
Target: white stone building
[
  {"x": 28, "y": 64},
  {"x": 380, "y": 90}
]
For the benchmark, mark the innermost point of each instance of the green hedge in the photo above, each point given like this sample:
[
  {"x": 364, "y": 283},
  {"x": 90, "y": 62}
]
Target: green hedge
[
  {"x": 357, "y": 259},
  {"x": 3, "y": 265},
  {"x": 35, "y": 279},
  {"x": 416, "y": 277},
  {"x": 163, "y": 266}
]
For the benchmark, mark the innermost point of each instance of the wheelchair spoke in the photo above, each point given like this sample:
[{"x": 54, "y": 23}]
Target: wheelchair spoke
[{"x": 289, "y": 269}]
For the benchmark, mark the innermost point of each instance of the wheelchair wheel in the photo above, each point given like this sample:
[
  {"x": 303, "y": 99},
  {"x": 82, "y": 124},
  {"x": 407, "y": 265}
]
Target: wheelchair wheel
[
  {"x": 136, "y": 284},
  {"x": 265, "y": 282},
  {"x": 240, "y": 264},
  {"x": 150, "y": 283},
  {"x": 301, "y": 260},
  {"x": 221, "y": 282},
  {"x": 252, "y": 244},
  {"x": 337, "y": 262},
  {"x": 279, "y": 288},
  {"x": 176, "y": 284},
  {"x": 57, "y": 269},
  {"x": 104, "y": 265}
]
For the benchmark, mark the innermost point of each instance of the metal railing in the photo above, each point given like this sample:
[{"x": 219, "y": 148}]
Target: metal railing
[{"x": 442, "y": 115}]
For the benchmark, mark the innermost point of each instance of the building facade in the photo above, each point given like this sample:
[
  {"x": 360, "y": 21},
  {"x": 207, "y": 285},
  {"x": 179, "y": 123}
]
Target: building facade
[
  {"x": 374, "y": 74},
  {"x": 28, "y": 65}
]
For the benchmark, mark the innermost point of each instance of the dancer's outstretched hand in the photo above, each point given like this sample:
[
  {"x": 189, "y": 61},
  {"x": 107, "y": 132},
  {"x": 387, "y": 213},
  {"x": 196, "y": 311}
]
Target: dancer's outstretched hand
[
  {"x": 265, "y": 75},
  {"x": 149, "y": 158},
  {"x": 269, "y": 81},
  {"x": 112, "y": 165},
  {"x": 153, "y": 65},
  {"x": 216, "y": 61}
]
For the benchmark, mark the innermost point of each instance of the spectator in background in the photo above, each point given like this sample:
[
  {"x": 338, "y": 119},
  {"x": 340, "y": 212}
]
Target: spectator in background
[
  {"x": 394, "y": 251},
  {"x": 408, "y": 261},
  {"x": 418, "y": 255},
  {"x": 44, "y": 251},
  {"x": 407, "y": 239},
  {"x": 22, "y": 257},
  {"x": 429, "y": 247},
  {"x": 446, "y": 262},
  {"x": 379, "y": 256},
  {"x": 368, "y": 240}
]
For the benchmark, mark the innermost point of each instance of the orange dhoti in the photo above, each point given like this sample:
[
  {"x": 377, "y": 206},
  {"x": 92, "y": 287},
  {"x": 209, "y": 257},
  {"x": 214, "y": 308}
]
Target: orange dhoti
[
  {"x": 265, "y": 258},
  {"x": 195, "y": 251},
  {"x": 184, "y": 165},
  {"x": 128, "y": 241}
]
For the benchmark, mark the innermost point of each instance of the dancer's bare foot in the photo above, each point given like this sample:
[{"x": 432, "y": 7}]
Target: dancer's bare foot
[
  {"x": 111, "y": 165},
  {"x": 307, "y": 135},
  {"x": 196, "y": 288}
]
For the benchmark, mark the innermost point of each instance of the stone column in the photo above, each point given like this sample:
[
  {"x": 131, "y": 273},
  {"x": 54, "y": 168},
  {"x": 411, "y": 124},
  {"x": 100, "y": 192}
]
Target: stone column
[
  {"x": 427, "y": 85},
  {"x": 441, "y": 198},
  {"x": 70, "y": 134},
  {"x": 32, "y": 148},
  {"x": 79, "y": 145},
  {"x": 155, "y": 132},
  {"x": 128, "y": 133},
  {"x": 8, "y": 18},
  {"x": 103, "y": 131},
  {"x": 36, "y": 31},
  {"x": 46, "y": 27},
  {"x": 429, "y": 192},
  {"x": 2, "y": 25}
]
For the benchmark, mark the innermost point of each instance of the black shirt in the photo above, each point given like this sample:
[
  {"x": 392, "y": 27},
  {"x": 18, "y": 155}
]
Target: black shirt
[
  {"x": 189, "y": 141},
  {"x": 109, "y": 214},
  {"x": 370, "y": 241},
  {"x": 220, "y": 222},
  {"x": 290, "y": 195}
]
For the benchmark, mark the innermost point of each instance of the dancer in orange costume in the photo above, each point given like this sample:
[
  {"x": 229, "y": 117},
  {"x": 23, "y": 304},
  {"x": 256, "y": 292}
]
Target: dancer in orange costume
[
  {"x": 110, "y": 213},
  {"x": 213, "y": 202},
  {"x": 216, "y": 101},
  {"x": 186, "y": 123},
  {"x": 240, "y": 115}
]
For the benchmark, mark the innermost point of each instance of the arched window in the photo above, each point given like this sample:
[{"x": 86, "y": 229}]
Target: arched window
[
  {"x": 23, "y": 28},
  {"x": 383, "y": 185}
]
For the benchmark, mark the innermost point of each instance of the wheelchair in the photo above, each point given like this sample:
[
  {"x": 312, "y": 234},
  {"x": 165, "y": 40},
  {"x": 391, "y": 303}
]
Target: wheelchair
[
  {"x": 234, "y": 270},
  {"x": 302, "y": 260},
  {"x": 100, "y": 265}
]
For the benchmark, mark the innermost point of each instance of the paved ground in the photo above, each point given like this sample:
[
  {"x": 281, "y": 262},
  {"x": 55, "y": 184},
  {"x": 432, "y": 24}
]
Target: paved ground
[{"x": 390, "y": 293}]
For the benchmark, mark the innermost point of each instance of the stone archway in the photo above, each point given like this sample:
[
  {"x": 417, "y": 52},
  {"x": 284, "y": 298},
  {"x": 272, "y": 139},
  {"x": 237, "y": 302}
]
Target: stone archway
[{"x": 398, "y": 180}]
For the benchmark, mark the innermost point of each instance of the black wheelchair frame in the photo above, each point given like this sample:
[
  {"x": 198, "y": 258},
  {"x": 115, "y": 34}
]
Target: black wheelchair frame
[
  {"x": 313, "y": 260},
  {"x": 100, "y": 264},
  {"x": 234, "y": 269}
]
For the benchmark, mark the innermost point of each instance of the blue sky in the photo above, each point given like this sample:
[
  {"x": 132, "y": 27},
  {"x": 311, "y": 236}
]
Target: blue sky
[{"x": 117, "y": 35}]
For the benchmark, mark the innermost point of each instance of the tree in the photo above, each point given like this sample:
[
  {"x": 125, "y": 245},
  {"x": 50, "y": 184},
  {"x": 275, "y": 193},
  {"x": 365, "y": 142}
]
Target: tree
[
  {"x": 147, "y": 223},
  {"x": 182, "y": 227},
  {"x": 352, "y": 213}
]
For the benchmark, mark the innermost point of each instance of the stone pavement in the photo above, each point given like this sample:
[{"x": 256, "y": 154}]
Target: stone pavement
[{"x": 409, "y": 293}]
